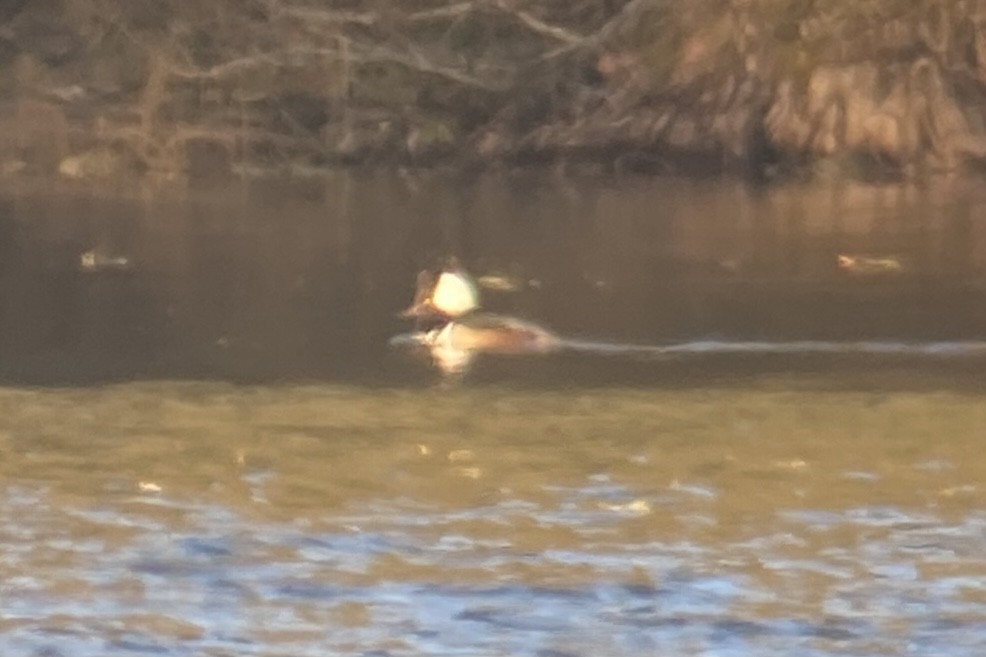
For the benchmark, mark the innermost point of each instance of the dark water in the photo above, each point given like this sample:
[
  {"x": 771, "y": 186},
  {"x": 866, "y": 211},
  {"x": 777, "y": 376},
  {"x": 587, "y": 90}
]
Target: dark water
[
  {"x": 209, "y": 449},
  {"x": 273, "y": 281}
]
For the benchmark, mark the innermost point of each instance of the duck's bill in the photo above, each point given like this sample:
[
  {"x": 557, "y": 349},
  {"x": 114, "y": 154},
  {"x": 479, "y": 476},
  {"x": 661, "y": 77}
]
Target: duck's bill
[
  {"x": 416, "y": 339},
  {"x": 423, "y": 311},
  {"x": 411, "y": 313}
]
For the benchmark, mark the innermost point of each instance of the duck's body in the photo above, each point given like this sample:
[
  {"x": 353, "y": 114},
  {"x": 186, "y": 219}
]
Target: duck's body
[{"x": 494, "y": 334}]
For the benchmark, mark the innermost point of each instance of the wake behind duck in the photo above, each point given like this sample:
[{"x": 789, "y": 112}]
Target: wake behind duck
[{"x": 449, "y": 326}]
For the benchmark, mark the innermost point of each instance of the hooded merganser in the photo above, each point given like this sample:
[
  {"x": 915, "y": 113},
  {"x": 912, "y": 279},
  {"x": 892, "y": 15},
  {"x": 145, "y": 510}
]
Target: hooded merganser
[
  {"x": 443, "y": 297},
  {"x": 447, "y": 322}
]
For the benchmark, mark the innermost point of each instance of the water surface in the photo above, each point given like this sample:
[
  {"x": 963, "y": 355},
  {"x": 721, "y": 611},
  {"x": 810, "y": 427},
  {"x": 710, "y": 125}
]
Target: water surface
[
  {"x": 212, "y": 450},
  {"x": 302, "y": 280},
  {"x": 209, "y": 519}
]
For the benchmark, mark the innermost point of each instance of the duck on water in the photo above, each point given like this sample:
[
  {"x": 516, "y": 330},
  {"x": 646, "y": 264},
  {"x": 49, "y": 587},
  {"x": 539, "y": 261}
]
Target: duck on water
[{"x": 449, "y": 324}]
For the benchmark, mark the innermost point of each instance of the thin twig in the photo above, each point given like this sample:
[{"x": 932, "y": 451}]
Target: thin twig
[
  {"x": 629, "y": 14},
  {"x": 539, "y": 26},
  {"x": 365, "y": 18},
  {"x": 413, "y": 60}
]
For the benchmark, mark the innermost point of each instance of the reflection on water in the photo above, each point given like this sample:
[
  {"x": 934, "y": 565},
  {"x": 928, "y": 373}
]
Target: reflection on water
[
  {"x": 303, "y": 280},
  {"x": 763, "y": 438},
  {"x": 203, "y": 519}
]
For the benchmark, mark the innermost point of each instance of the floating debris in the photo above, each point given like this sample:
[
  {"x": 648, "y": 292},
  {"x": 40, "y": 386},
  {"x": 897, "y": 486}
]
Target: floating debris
[
  {"x": 861, "y": 264},
  {"x": 92, "y": 261}
]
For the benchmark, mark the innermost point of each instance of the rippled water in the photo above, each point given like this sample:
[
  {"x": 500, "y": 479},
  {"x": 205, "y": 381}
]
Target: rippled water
[
  {"x": 208, "y": 519},
  {"x": 744, "y": 448}
]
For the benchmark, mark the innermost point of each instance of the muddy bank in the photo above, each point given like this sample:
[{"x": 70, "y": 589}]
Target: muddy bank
[{"x": 100, "y": 89}]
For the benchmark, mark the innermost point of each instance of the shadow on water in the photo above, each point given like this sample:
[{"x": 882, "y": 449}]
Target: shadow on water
[{"x": 275, "y": 280}]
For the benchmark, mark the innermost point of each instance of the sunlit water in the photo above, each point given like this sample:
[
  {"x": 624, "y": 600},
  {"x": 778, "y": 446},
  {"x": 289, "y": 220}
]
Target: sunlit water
[
  {"x": 207, "y": 519},
  {"x": 741, "y": 450}
]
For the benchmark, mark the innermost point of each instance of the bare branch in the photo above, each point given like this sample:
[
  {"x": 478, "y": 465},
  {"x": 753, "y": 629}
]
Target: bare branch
[
  {"x": 226, "y": 69},
  {"x": 355, "y": 55},
  {"x": 631, "y": 13},
  {"x": 455, "y": 10},
  {"x": 451, "y": 11},
  {"x": 310, "y": 14},
  {"x": 539, "y": 26}
]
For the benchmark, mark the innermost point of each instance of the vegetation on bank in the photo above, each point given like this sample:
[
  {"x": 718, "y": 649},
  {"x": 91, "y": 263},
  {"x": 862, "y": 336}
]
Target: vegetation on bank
[{"x": 100, "y": 88}]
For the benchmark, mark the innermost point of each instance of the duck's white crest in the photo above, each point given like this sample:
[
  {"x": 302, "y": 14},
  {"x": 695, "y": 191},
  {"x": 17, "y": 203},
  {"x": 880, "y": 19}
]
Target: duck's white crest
[{"x": 455, "y": 294}]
